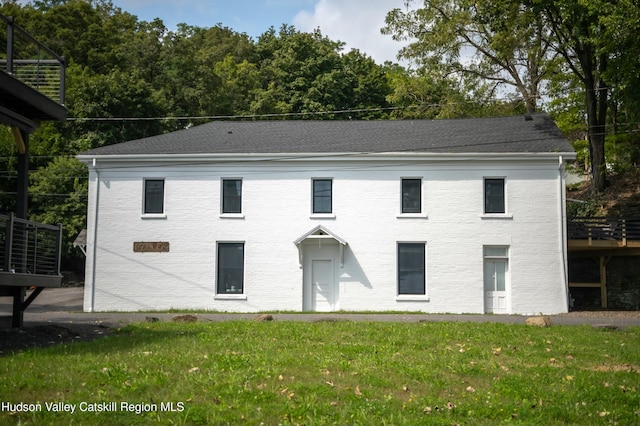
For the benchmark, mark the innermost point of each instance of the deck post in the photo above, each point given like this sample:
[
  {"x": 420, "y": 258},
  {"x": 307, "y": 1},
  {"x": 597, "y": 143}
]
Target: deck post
[
  {"x": 10, "y": 27},
  {"x": 63, "y": 71},
  {"x": 8, "y": 236},
  {"x": 602, "y": 262},
  {"x": 17, "y": 319},
  {"x": 22, "y": 197}
]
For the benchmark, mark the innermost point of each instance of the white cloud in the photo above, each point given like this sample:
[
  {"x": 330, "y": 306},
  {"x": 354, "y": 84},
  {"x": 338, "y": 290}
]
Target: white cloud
[{"x": 355, "y": 22}]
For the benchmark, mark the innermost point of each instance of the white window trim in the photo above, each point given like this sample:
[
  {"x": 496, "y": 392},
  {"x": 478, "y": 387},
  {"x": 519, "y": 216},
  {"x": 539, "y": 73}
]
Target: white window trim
[
  {"x": 423, "y": 214},
  {"x": 412, "y": 216},
  {"x": 496, "y": 216},
  {"x": 153, "y": 216},
  {"x": 231, "y": 216},
  {"x": 412, "y": 298},
  {"x": 230, "y": 297},
  {"x": 506, "y": 215},
  {"x": 322, "y": 216}
]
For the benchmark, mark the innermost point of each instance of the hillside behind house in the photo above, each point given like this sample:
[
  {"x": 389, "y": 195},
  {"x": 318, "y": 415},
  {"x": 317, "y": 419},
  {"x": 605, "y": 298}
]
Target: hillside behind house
[{"x": 620, "y": 199}]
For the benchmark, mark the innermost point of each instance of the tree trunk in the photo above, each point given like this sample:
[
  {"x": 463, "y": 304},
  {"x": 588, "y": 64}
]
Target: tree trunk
[
  {"x": 530, "y": 104},
  {"x": 596, "y": 99},
  {"x": 596, "y": 136},
  {"x": 598, "y": 164}
]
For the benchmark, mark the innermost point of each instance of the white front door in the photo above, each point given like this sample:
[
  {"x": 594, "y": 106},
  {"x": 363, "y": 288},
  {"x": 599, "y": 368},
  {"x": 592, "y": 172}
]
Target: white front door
[
  {"x": 322, "y": 286},
  {"x": 495, "y": 286}
]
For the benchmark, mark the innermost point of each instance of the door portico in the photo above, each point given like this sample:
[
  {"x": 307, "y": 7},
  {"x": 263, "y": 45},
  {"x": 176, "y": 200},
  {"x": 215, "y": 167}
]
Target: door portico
[{"x": 321, "y": 254}]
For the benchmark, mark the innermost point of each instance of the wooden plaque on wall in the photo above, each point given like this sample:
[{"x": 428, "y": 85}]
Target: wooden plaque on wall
[{"x": 151, "y": 247}]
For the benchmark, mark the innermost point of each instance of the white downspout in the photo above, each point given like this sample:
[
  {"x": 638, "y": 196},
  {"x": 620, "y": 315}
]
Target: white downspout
[
  {"x": 563, "y": 230},
  {"x": 94, "y": 237}
]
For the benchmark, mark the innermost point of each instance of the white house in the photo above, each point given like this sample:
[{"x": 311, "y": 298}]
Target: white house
[{"x": 461, "y": 216}]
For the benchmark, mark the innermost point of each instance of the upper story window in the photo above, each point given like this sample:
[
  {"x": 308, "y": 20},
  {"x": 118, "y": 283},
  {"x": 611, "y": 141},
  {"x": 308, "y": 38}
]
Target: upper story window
[
  {"x": 322, "y": 196},
  {"x": 153, "y": 196},
  {"x": 231, "y": 195},
  {"x": 494, "y": 199},
  {"x": 411, "y": 195}
]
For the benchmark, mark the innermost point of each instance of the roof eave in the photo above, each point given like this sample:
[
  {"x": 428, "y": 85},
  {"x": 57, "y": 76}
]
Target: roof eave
[{"x": 321, "y": 156}]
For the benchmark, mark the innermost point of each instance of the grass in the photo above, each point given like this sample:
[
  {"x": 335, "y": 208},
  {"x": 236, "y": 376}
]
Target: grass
[{"x": 246, "y": 372}]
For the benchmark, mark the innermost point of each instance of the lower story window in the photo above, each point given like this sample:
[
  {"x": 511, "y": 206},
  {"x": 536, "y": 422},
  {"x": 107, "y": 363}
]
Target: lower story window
[
  {"x": 411, "y": 269},
  {"x": 230, "y": 279}
]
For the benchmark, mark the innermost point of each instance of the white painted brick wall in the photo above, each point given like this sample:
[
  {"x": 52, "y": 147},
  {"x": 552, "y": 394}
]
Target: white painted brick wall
[{"x": 366, "y": 201}]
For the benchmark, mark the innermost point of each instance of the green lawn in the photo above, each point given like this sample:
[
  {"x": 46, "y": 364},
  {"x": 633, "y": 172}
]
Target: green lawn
[{"x": 343, "y": 373}]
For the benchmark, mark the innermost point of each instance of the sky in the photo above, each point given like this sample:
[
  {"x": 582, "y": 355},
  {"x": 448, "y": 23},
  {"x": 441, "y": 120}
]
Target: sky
[{"x": 355, "y": 22}]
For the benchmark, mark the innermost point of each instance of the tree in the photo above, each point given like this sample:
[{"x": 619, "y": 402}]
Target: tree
[
  {"x": 239, "y": 82},
  {"x": 307, "y": 73},
  {"x": 189, "y": 83},
  {"x": 418, "y": 95},
  {"x": 83, "y": 33},
  {"x": 497, "y": 41},
  {"x": 59, "y": 192},
  {"x": 114, "y": 94},
  {"x": 584, "y": 34},
  {"x": 366, "y": 85},
  {"x": 294, "y": 67}
]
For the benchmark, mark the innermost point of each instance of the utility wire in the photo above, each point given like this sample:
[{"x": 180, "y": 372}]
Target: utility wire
[
  {"x": 317, "y": 113},
  {"x": 241, "y": 116}
]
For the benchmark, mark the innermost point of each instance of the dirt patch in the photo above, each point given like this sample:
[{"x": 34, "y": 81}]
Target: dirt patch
[
  {"x": 627, "y": 368},
  {"x": 18, "y": 339}
]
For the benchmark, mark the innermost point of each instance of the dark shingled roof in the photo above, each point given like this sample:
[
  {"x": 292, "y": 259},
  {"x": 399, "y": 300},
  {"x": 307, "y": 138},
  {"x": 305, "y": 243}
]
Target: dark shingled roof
[{"x": 536, "y": 133}]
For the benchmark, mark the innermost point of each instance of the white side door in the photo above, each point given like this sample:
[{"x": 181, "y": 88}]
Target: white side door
[
  {"x": 322, "y": 285},
  {"x": 495, "y": 286}
]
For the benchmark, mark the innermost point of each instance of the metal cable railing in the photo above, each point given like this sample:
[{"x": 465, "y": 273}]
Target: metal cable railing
[
  {"x": 28, "y": 247},
  {"x": 30, "y": 61}
]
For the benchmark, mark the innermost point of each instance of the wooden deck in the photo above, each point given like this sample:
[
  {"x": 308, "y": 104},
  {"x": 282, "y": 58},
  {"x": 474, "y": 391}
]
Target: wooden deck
[{"x": 601, "y": 239}]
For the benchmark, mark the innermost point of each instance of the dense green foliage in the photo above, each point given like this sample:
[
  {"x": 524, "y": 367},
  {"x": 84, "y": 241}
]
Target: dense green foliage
[
  {"x": 128, "y": 79},
  {"x": 327, "y": 373}
]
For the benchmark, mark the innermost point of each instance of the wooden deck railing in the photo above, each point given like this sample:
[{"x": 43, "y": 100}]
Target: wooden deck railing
[{"x": 604, "y": 230}]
